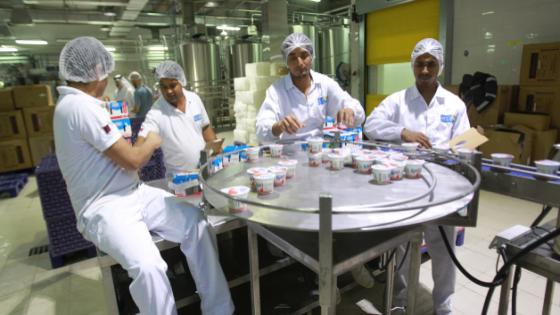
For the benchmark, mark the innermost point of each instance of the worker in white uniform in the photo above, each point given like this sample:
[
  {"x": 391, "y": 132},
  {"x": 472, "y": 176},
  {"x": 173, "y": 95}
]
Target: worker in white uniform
[
  {"x": 180, "y": 119},
  {"x": 124, "y": 91},
  {"x": 114, "y": 210},
  {"x": 430, "y": 115},
  {"x": 296, "y": 105}
]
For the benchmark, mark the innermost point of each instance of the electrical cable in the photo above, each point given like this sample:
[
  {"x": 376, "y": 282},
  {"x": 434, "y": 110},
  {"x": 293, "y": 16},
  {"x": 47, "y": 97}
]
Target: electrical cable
[{"x": 404, "y": 257}]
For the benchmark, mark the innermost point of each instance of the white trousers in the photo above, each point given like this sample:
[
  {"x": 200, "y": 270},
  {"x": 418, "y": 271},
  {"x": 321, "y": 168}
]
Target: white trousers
[
  {"x": 443, "y": 270},
  {"x": 120, "y": 226}
]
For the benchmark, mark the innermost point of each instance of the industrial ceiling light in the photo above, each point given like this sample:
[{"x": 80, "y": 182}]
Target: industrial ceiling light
[
  {"x": 227, "y": 28},
  {"x": 105, "y": 28},
  {"x": 157, "y": 48},
  {"x": 109, "y": 13},
  {"x": 31, "y": 42},
  {"x": 315, "y": 0},
  {"x": 224, "y": 33},
  {"x": 211, "y": 4},
  {"x": 110, "y": 48},
  {"x": 8, "y": 49}
]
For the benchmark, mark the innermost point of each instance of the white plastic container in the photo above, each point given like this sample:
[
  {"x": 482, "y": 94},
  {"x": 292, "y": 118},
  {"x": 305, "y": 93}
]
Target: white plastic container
[
  {"x": 275, "y": 150},
  {"x": 413, "y": 168},
  {"x": 264, "y": 183},
  {"x": 255, "y": 171},
  {"x": 253, "y": 154},
  {"x": 315, "y": 145},
  {"x": 315, "y": 159},
  {"x": 279, "y": 175},
  {"x": 364, "y": 163},
  {"x": 325, "y": 156},
  {"x": 465, "y": 154},
  {"x": 397, "y": 171},
  {"x": 547, "y": 166},
  {"x": 410, "y": 146},
  {"x": 381, "y": 174},
  {"x": 241, "y": 192},
  {"x": 501, "y": 159},
  {"x": 441, "y": 149},
  {"x": 355, "y": 156},
  {"x": 290, "y": 165},
  {"x": 398, "y": 157},
  {"x": 336, "y": 161}
]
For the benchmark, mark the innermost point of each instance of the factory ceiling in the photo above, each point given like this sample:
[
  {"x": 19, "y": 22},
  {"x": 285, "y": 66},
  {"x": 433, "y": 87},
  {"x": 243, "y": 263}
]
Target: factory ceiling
[{"x": 122, "y": 22}]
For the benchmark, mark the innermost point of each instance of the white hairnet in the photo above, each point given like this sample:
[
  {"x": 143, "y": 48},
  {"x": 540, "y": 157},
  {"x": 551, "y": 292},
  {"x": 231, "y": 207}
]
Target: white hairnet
[
  {"x": 85, "y": 59},
  {"x": 134, "y": 75},
  {"x": 429, "y": 46},
  {"x": 294, "y": 41},
  {"x": 171, "y": 70}
]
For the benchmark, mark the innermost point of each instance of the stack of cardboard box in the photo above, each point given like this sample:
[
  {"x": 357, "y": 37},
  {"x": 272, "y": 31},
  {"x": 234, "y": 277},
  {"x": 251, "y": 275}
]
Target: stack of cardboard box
[
  {"x": 26, "y": 132},
  {"x": 538, "y": 107}
]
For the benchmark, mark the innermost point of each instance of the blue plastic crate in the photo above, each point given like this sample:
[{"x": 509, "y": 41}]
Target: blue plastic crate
[
  {"x": 64, "y": 237},
  {"x": 11, "y": 189},
  {"x": 54, "y": 197}
]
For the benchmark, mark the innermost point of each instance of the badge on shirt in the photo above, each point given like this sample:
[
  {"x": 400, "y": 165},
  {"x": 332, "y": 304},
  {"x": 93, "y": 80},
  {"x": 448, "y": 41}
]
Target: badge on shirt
[
  {"x": 197, "y": 117},
  {"x": 447, "y": 118},
  {"x": 107, "y": 128},
  {"x": 322, "y": 100}
]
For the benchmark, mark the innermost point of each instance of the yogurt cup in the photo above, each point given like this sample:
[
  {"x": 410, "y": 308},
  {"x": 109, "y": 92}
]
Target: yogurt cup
[
  {"x": 275, "y": 150},
  {"x": 253, "y": 154},
  {"x": 264, "y": 183},
  {"x": 355, "y": 155},
  {"x": 397, "y": 171},
  {"x": 441, "y": 149},
  {"x": 252, "y": 172},
  {"x": 315, "y": 144},
  {"x": 501, "y": 159},
  {"x": 315, "y": 159},
  {"x": 547, "y": 166},
  {"x": 290, "y": 165},
  {"x": 336, "y": 161},
  {"x": 465, "y": 154},
  {"x": 398, "y": 157},
  {"x": 346, "y": 154},
  {"x": 381, "y": 174},
  {"x": 413, "y": 168},
  {"x": 241, "y": 192},
  {"x": 279, "y": 175},
  {"x": 325, "y": 157},
  {"x": 364, "y": 163},
  {"x": 410, "y": 146}
]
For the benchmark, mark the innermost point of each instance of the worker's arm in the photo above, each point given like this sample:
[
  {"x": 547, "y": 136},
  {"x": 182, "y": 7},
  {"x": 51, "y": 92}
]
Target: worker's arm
[
  {"x": 268, "y": 115},
  {"x": 381, "y": 123},
  {"x": 133, "y": 157},
  {"x": 343, "y": 107}
]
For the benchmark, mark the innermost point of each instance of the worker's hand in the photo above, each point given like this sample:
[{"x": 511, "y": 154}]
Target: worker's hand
[
  {"x": 289, "y": 124},
  {"x": 345, "y": 116},
  {"x": 106, "y": 98},
  {"x": 153, "y": 139},
  {"x": 412, "y": 136}
]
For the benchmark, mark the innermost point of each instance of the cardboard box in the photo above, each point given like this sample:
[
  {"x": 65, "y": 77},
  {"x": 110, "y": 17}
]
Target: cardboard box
[
  {"x": 535, "y": 121},
  {"x": 32, "y": 96},
  {"x": 494, "y": 114},
  {"x": 543, "y": 142},
  {"x": 6, "y": 100},
  {"x": 38, "y": 120},
  {"x": 541, "y": 99},
  {"x": 540, "y": 64},
  {"x": 14, "y": 155},
  {"x": 512, "y": 141},
  {"x": 40, "y": 146},
  {"x": 11, "y": 125}
]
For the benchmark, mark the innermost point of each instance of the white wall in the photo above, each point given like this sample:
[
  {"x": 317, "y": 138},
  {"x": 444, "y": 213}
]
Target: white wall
[{"x": 513, "y": 23}]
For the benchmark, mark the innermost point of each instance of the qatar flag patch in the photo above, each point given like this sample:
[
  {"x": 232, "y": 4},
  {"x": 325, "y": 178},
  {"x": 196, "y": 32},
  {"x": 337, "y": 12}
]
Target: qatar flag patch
[{"x": 107, "y": 128}]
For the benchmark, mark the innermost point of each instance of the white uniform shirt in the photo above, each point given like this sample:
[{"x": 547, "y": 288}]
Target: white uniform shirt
[
  {"x": 283, "y": 98},
  {"x": 181, "y": 133},
  {"x": 126, "y": 93},
  {"x": 443, "y": 119},
  {"x": 83, "y": 131}
]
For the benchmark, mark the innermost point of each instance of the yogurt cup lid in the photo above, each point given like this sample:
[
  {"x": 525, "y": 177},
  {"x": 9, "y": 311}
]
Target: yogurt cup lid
[
  {"x": 336, "y": 156},
  {"x": 501, "y": 156},
  {"x": 381, "y": 167},
  {"x": 264, "y": 176},
  {"x": 364, "y": 158},
  {"x": 410, "y": 144},
  {"x": 415, "y": 162},
  {"x": 255, "y": 170},
  {"x": 547, "y": 163},
  {"x": 278, "y": 169},
  {"x": 236, "y": 190},
  {"x": 288, "y": 162}
]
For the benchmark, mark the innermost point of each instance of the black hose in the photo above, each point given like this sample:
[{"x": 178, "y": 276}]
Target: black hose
[{"x": 404, "y": 256}]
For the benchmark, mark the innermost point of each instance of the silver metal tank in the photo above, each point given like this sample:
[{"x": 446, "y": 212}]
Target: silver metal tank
[
  {"x": 244, "y": 52},
  {"x": 310, "y": 31},
  {"x": 201, "y": 61},
  {"x": 335, "y": 48}
]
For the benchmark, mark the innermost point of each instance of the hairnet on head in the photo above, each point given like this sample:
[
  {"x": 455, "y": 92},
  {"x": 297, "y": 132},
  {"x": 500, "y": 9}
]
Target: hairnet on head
[
  {"x": 294, "y": 41},
  {"x": 170, "y": 70},
  {"x": 429, "y": 46},
  {"x": 85, "y": 59},
  {"x": 134, "y": 75}
]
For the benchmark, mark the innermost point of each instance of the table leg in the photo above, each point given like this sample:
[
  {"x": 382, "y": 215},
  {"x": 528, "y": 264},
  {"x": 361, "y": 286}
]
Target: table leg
[
  {"x": 504, "y": 293},
  {"x": 327, "y": 280},
  {"x": 254, "y": 271},
  {"x": 413, "y": 273},
  {"x": 390, "y": 279},
  {"x": 548, "y": 297}
]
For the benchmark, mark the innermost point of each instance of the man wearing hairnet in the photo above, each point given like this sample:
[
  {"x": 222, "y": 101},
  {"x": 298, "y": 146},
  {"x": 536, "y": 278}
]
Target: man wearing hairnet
[
  {"x": 180, "y": 118},
  {"x": 114, "y": 210},
  {"x": 296, "y": 105},
  {"x": 124, "y": 90},
  {"x": 430, "y": 115},
  {"x": 142, "y": 95}
]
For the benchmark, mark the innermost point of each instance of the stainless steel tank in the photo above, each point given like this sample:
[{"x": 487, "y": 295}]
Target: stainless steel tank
[
  {"x": 242, "y": 53},
  {"x": 335, "y": 48},
  {"x": 201, "y": 61},
  {"x": 310, "y": 31}
]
